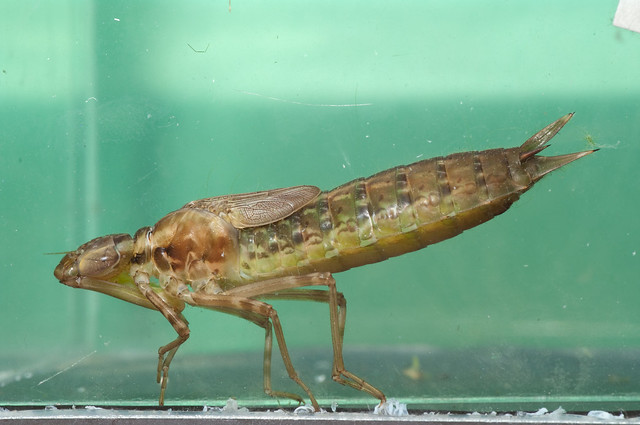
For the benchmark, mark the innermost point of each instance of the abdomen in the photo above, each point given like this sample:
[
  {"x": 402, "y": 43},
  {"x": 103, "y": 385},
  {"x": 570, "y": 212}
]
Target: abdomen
[{"x": 396, "y": 211}]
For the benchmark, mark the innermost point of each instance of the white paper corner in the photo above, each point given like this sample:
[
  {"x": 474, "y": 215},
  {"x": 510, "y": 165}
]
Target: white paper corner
[{"x": 628, "y": 15}]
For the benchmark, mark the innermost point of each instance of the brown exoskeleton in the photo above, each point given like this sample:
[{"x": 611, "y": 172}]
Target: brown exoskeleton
[{"x": 232, "y": 253}]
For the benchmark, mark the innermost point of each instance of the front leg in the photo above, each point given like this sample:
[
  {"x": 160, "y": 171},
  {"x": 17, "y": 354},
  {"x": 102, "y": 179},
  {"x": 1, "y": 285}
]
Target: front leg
[{"x": 177, "y": 320}]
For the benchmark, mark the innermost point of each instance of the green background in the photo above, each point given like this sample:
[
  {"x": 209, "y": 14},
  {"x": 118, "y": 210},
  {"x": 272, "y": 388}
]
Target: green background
[{"x": 114, "y": 113}]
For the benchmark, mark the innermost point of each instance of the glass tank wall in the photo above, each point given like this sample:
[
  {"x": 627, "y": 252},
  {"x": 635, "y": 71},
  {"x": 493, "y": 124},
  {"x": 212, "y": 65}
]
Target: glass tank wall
[{"x": 114, "y": 113}]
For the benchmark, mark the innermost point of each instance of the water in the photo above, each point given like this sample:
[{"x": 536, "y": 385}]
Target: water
[{"x": 115, "y": 113}]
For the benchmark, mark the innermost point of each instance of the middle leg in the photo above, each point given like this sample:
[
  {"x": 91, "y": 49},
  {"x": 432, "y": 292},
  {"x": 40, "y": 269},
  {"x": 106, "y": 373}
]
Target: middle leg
[
  {"x": 337, "y": 312},
  {"x": 265, "y": 316}
]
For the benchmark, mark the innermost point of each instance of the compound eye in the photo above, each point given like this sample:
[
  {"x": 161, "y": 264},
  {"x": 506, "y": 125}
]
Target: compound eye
[
  {"x": 106, "y": 256},
  {"x": 98, "y": 261}
]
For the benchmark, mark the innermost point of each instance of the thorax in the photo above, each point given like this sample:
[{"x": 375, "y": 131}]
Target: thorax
[{"x": 190, "y": 247}]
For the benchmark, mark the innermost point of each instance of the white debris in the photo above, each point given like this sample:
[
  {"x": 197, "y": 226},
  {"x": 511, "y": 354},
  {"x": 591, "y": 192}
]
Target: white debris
[
  {"x": 600, "y": 414},
  {"x": 232, "y": 407},
  {"x": 540, "y": 412},
  {"x": 543, "y": 412},
  {"x": 391, "y": 407},
  {"x": 334, "y": 406},
  {"x": 558, "y": 412},
  {"x": 304, "y": 410}
]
